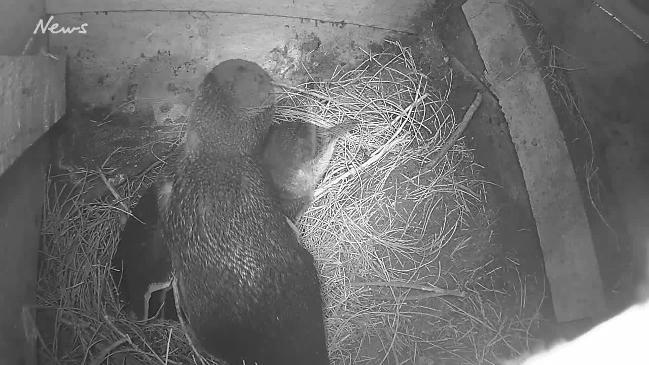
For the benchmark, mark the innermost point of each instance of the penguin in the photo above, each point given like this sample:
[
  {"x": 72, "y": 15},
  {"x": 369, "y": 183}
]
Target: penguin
[
  {"x": 250, "y": 291},
  {"x": 296, "y": 156},
  {"x": 141, "y": 265}
]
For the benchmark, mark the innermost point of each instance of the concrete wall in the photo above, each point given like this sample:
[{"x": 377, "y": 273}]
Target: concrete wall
[
  {"x": 125, "y": 50},
  {"x": 610, "y": 78},
  {"x": 21, "y": 196},
  {"x": 17, "y": 22}
]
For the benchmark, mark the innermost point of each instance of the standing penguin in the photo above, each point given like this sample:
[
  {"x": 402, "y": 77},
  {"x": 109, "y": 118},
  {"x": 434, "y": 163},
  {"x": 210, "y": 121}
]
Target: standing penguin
[
  {"x": 295, "y": 156},
  {"x": 141, "y": 264},
  {"x": 250, "y": 291}
]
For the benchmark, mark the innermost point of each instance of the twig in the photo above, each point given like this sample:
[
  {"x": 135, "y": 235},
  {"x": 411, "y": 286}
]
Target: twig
[
  {"x": 305, "y": 92},
  {"x": 171, "y": 329},
  {"x": 453, "y": 293},
  {"x": 27, "y": 45},
  {"x": 622, "y": 23},
  {"x": 457, "y": 133},
  {"x": 293, "y": 227},
  {"x": 150, "y": 168},
  {"x": 45, "y": 53},
  {"x": 143, "y": 172},
  {"x": 461, "y": 68},
  {"x": 433, "y": 290},
  {"x": 105, "y": 352},
  {"x": 114, "y": 192},
  {"x": 129, "y": 340},
  {"x": 376, "y": 155}
]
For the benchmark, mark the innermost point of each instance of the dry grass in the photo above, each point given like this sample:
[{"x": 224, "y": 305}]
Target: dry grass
[
  {"x": 382, "y": 214},
  {"x": 77, "y": 296},
  {"x": 400, "y": 237}
]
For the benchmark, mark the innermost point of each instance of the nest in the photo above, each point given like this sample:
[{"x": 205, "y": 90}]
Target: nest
[{"x": 390, "y": 228}]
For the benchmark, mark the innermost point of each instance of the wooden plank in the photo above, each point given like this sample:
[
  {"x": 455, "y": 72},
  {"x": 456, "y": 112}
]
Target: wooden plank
[
  {"x": 32, "y": 99},
  {"x": 384, "y": 14},
  {"x": 557, "y": 206}
]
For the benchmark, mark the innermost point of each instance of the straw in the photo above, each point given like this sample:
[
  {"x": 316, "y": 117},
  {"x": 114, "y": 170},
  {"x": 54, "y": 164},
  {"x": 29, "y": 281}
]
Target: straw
[{"x": 390, "y": 231}]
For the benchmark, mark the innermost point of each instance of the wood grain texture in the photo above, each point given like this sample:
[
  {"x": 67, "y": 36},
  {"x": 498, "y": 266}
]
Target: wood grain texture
[
  {"x": 571, "y": 265},
  {"x": 32, "y": 99},
  {"x": 384, "y": 14}
]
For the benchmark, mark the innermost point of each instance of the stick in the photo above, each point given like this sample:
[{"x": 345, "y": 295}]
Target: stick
[
  {"x": 27, "y": 45},
  {"x": 623, "y": 24},
  {"x": 129, "y": 340},
  {"x": 171, "y": 329},
  {"x": 376, "y": 155},
  {"x": 114, "y": 192},
  {"x": 305, "y": 92},
  {"x": 294, "y": 227},
  {"x": 457, "y": 133},
  {"x": 422, "y": 296},
  {"x": 433, "y": 290},
  {"x": 457, "y": 64},
  {"x": 143, "y": 172}
]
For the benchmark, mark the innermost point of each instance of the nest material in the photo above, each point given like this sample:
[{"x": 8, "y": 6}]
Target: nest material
[{"x": 387, "y": 229}]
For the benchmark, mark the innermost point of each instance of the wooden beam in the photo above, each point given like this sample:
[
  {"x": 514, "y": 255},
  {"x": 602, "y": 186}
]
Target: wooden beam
[
  {"x": 32, "y": 99},
  {"x": 565, "y": 236},
  {"x": 383, "y": 14}
]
